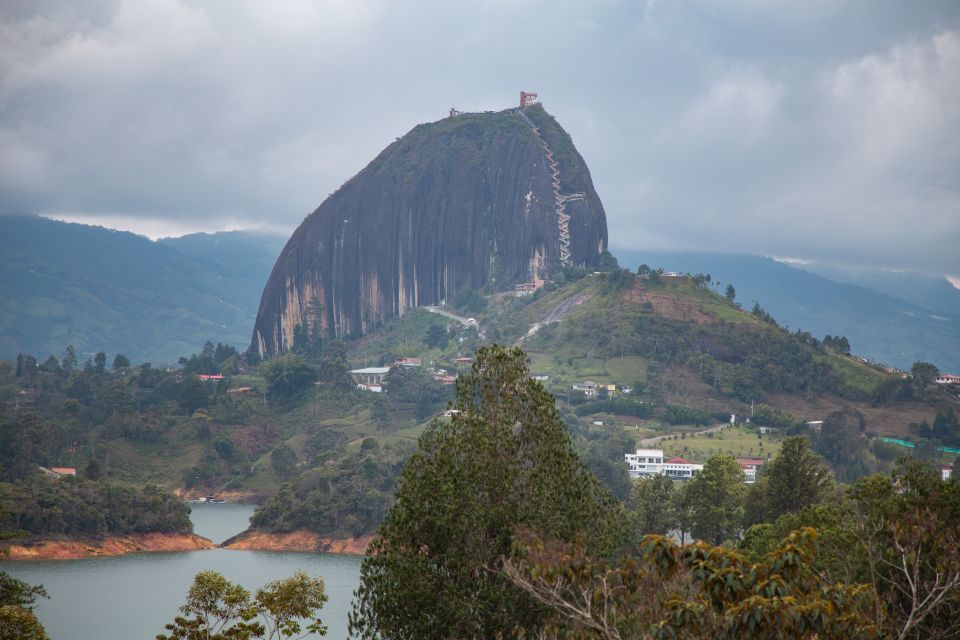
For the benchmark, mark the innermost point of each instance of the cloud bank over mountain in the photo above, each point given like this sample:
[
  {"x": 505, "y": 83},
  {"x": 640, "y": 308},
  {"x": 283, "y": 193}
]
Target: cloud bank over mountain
[{"x": 820, "y": 130}]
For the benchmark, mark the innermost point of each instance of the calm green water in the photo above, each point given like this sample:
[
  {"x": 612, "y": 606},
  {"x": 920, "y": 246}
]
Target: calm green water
[{"x": 131, "y": 597}]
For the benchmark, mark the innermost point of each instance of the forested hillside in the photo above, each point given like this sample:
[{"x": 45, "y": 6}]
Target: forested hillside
[{"x": 97, "y": 288}]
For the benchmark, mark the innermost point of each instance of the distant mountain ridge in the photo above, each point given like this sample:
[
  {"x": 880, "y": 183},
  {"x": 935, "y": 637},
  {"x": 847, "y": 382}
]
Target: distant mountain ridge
[
  {"x": 923, "y": 290},
  {"x": 101, "y": 289},
  {"x": 881, "y": 327}
]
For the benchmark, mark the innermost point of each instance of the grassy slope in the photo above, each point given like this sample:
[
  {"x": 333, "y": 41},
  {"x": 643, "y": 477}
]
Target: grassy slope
[
  {"x": 560, "y": 351},
  {"x": 552, "y": 351}
]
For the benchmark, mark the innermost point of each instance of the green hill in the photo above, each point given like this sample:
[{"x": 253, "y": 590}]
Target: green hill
[
  {"x": 100, "y": 289},
  {"x": 688, "y": 356},
  {"x": 894, "y": 319}
]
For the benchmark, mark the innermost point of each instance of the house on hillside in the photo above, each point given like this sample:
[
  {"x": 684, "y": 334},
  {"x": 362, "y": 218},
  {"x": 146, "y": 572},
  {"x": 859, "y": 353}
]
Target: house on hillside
[
  {"x": 589, "y": 387},
  {"x": 946, "y": 472},
  {"x": 369, "y": 376},
  {"x": 751, "y": 467},
  {"x": 540, "y": 377},
  {"x": 947, "y": 378},
  {"x": 57, "y": 472},
  {"x": 646, "y": 463},
  {"x": 407, "y": 362},
  {"x": 679, "y": 469}
]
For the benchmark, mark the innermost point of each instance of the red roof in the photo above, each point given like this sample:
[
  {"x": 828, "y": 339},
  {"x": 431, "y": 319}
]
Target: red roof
[{"x": 676, "y": 461}]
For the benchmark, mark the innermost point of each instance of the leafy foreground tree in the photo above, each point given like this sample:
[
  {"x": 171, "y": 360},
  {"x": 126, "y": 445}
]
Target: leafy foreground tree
[
  {"x": 909, "y": 526},
  {"x": 505, "y": 461},
  {"x": 17, "y": 623},
  {"x": 900, "y": 533},
  {"x": 217, "y": 609},
  {"x": 17, "y": 593},
  {"x": 17, "y": 599},
  {"x": 689, "y": 591}
]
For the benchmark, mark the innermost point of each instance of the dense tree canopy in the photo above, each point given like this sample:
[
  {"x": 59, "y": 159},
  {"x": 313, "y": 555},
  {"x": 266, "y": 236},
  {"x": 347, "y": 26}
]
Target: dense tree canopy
[
  {"x": 503, "y": 462},
  {"x": 716, "y": 496},
  {"x": 652, "y": 502},
  {"x": 665, "y": 591},
  {"x": 77, "y": 507}
]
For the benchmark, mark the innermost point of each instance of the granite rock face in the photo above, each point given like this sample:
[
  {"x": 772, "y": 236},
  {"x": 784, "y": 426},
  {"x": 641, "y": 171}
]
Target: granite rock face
[{"x": 466, "y": 202}]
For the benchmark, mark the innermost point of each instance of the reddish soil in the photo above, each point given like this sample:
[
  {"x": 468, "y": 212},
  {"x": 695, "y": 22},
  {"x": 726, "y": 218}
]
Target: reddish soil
[
  {"x": 300, "y": 540},
  {"x": 667, "y": 304},
  {"x": 51, "y": 549}
]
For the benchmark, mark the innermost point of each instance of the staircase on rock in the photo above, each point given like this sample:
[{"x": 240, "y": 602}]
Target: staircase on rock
[{"x": 560, "y": 200}]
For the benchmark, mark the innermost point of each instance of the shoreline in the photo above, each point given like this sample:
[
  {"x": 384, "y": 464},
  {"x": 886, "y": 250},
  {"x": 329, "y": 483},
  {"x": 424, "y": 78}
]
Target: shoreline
[
  {"x": 299, "y": 540},
  {"x": 78, "y": 548},
  {"x": 236, "y": 496}
]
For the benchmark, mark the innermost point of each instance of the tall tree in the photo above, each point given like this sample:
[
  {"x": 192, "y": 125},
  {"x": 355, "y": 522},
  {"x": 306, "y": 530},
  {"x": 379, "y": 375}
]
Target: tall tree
[
  {"x": 716, "y": 499},
  {"x": 842, "y": 441},
  {"x": 924, "y": 374},
  {"x": 652, "y": 502},
  {"x": 796, "y": 478},
  {"x": 69, "y": 362},
  {"x": 121, "y": 361},
  {"x": 505, "y": 461},
  {"x": 100, "y": 361},
  {"x": 731, "y": 293}
]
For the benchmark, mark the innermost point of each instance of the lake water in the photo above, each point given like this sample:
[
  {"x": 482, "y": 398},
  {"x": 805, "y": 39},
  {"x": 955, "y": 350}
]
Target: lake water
[{"x": 131, "y": 597}]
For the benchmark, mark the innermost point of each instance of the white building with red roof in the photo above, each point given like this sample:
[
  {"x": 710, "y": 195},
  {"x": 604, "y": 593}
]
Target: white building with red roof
[
  {"x": 646, "y": 463},
  {"x": 751, "y": 467}
]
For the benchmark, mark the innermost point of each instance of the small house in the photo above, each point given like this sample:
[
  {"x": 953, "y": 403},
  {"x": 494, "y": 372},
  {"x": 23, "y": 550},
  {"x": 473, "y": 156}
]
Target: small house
[
  {"x": 751, "y": 467},
  {"x": 589, "y": 387},
  {"x": 369, "y": 376}
]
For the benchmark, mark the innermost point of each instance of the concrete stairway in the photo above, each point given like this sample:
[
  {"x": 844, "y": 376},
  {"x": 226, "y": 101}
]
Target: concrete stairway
[{"x": 560, "y": 200}]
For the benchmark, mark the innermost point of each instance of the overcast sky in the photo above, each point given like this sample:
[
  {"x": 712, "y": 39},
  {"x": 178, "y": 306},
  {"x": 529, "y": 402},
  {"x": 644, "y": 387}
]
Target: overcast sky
[{"x": 822, "y": 129}]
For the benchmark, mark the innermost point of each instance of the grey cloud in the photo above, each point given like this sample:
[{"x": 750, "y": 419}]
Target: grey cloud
[{"x": 822, "y": 129}]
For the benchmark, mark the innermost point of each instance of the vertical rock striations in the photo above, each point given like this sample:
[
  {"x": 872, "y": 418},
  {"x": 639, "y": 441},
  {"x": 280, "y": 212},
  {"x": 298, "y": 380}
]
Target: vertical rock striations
[{"x": 457, "y": 204}]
